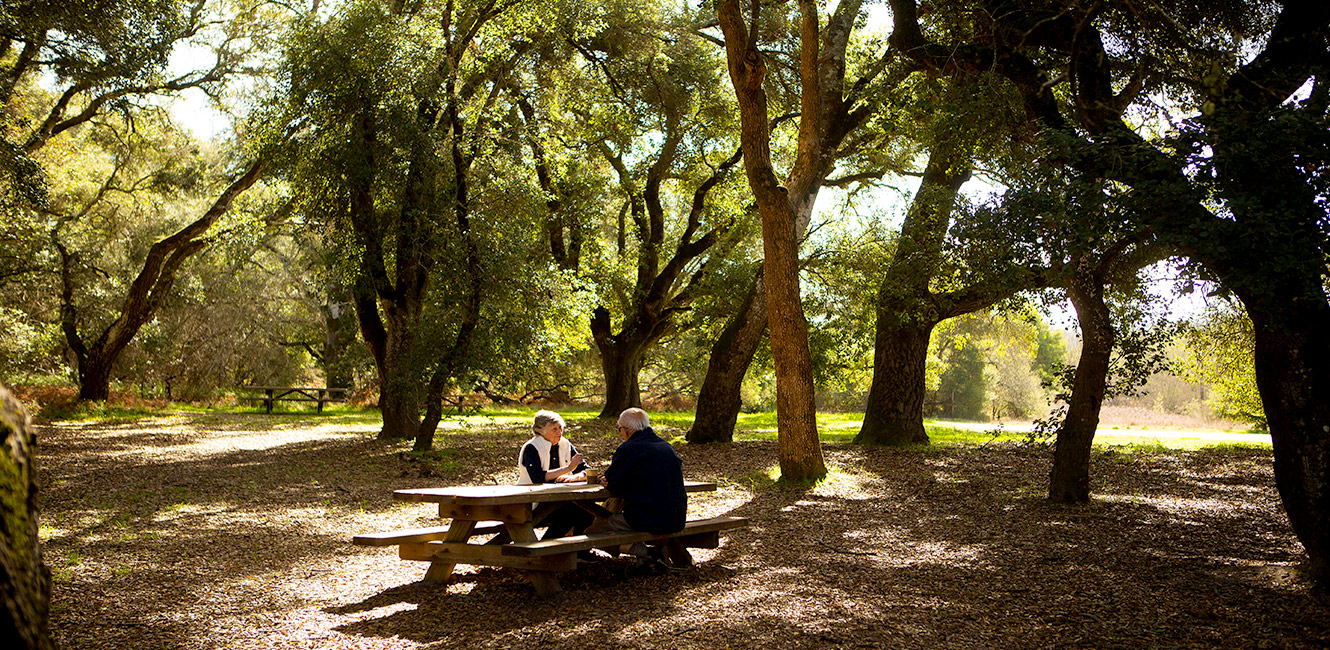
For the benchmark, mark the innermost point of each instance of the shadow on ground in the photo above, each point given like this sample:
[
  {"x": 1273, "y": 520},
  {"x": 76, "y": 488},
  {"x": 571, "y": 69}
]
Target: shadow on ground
[{"x": 223, "y": 532}]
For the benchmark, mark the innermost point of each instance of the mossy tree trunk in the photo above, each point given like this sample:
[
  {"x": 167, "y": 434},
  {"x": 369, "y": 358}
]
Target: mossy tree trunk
[{"x": 24, "y": 578}]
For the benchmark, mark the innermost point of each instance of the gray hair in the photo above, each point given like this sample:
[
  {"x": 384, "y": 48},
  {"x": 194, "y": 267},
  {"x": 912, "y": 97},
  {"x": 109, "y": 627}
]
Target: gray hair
[
  {"x": 634, "y": 419},
  {"x": 546, "y": 418}
]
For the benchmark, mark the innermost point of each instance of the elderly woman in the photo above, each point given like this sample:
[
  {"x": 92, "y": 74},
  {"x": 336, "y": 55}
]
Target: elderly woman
[{"x": 548, "y": 457}]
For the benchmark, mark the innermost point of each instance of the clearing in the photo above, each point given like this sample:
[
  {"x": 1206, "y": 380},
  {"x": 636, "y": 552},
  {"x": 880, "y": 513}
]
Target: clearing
[{"x": 223, "y": 530}]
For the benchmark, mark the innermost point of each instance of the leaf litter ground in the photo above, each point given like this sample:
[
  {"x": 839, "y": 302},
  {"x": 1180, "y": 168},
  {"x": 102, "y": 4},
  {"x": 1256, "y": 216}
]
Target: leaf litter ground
[{"x": 233, "y": 531}]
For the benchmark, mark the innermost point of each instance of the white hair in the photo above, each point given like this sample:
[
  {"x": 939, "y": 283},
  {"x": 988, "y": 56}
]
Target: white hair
[
  {"x": 544, "y": 419},
  {"x": 634, "y": 419}
]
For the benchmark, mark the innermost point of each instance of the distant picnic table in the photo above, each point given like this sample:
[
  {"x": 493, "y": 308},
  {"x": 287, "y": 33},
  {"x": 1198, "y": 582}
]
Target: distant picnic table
[
  {"x": 512, "y": 513},
  {"x": 463, "y": 403},
  {"x": 319, "y": 396}
]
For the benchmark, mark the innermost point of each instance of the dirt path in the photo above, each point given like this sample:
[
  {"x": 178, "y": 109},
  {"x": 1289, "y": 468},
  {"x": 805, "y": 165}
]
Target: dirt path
[{"x": 232, "y": 531}]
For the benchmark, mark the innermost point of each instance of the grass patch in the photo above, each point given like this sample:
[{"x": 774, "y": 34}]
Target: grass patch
[{"x": 584, "y": 420}]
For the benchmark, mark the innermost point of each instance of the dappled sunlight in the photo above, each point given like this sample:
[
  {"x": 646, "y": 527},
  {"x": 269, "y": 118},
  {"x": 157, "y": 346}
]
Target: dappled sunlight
[
  {"x": 1182, "y": 510},
  {"x": 846, "y": 484},
  {"x": 224, "y": 535}
]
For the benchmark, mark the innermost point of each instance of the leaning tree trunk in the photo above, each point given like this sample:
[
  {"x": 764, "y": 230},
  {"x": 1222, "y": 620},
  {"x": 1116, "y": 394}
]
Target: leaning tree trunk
[
  {"x": 145, "y": 294},
  {"x": 718, "y": 401},
  {"x": 895, "y": 411},
  {"x": 1293, "y": 374},
  {"x": 24, "y": 577},
  {"x": 797, "y": 445},
  {"x": 907, "y": 311},
  {"x": 1069, "y": 481}
]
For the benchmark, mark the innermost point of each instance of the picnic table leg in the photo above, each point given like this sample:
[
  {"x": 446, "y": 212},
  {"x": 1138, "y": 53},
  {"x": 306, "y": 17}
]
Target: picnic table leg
[
  {"x": 544, "y": 581},
  {"x": 677, "y": 553},
  {"x": 459, "y": 531}
]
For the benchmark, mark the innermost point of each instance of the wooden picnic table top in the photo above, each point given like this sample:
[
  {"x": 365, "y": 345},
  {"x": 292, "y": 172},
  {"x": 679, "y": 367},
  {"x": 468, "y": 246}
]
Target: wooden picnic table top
[{"x": 485, "y": 495}]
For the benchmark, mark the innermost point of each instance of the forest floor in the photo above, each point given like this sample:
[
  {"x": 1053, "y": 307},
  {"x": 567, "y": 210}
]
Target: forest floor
[{"x": 200, "y": 530}]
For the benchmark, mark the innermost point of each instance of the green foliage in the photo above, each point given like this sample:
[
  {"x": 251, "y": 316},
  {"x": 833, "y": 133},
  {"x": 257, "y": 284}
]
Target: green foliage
[
  {"x": 840, "y": 299},
  {"x": 988, "y": 363},
  {"x": 1220, "y": 348},
  {"x": 1050, "y": 353},
  {"x": 1142, "y": 339},
  {"x": 25, "y": 346},
  {"x": 963, "y": 383}
]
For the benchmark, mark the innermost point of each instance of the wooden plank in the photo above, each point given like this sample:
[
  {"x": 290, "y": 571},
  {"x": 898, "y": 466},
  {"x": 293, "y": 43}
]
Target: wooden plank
[
  {"x": 410, "y": 535},
  {"x": 701, "y": 540},
  {"x": 483, "y": 495},
  {"x": 545, "y": 583},
  {"x": 481, "y": 555},
  {"x": 460, "y": 531},
  {"x": 519, "y": 513},
  {"x": 509, "y": 494},
  {"x": 691, "y": 532}
]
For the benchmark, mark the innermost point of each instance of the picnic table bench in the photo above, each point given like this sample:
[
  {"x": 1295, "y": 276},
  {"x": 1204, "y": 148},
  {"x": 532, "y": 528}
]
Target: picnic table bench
[
  {"x": 272, "y": 394},
  {"x": 512, "y": 513}
]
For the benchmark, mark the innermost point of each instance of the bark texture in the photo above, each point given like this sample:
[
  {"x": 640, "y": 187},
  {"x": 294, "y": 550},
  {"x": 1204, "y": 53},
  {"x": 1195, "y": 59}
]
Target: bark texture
[
  {"x": 1269, "y": 249},
  {"x": 719, "y": 401},
  {"x": 895, "y": 411},
  {"x": 1069, "y": 481},
  {"x": 907, "y": 309},
  {"x": 829, "y": 110},
  {"x": 24, "y": 578}
]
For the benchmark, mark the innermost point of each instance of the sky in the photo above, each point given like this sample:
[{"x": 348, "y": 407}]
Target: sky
[{"x": 192, "y": 108}]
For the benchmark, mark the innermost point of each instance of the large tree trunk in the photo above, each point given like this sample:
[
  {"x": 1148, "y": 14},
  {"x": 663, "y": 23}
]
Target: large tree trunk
[
  {"x": 798, "y": 447},
  {"x": 399, "y": 385},
  {"x": 95, "y": 377},
  {"x": 1069, "y": 481},
  {"x": 1293, "y": 374},
  {"x": 621, "y": 365},
  {"x": 399, "y": 400},
  {"x": 895, "y": 410},
  {"x": 621, "y": 360},
  {"x": 24, "y": 578},
  {"x": 907, "y": 311},
  {"x": 718, "y": 401}
]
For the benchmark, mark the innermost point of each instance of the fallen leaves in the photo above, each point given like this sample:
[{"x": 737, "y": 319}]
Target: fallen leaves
[{"x": 207, "y": 531}]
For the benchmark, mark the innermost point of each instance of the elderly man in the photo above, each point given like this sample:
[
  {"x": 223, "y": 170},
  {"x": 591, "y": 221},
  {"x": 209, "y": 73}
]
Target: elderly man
[{"x": 647, "y": 476}]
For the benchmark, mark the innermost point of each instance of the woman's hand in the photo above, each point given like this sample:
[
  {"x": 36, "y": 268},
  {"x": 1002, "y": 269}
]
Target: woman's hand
[{"x": 576, "y": 460}]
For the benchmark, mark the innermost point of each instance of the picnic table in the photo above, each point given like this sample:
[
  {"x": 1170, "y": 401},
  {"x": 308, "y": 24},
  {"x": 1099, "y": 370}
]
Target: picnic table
[
  {"x": 512, "y": 513},
  {"x": 463, "y": 404},
  {"x": 272, "y": 394}
]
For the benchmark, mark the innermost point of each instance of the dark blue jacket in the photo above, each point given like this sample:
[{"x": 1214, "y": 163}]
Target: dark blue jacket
[{"x": 647, "y": 474}]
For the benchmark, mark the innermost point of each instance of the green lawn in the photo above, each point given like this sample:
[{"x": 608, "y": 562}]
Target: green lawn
[
  {"x": 842, "y": 427},
  {"x": 832, "y": 427}
]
